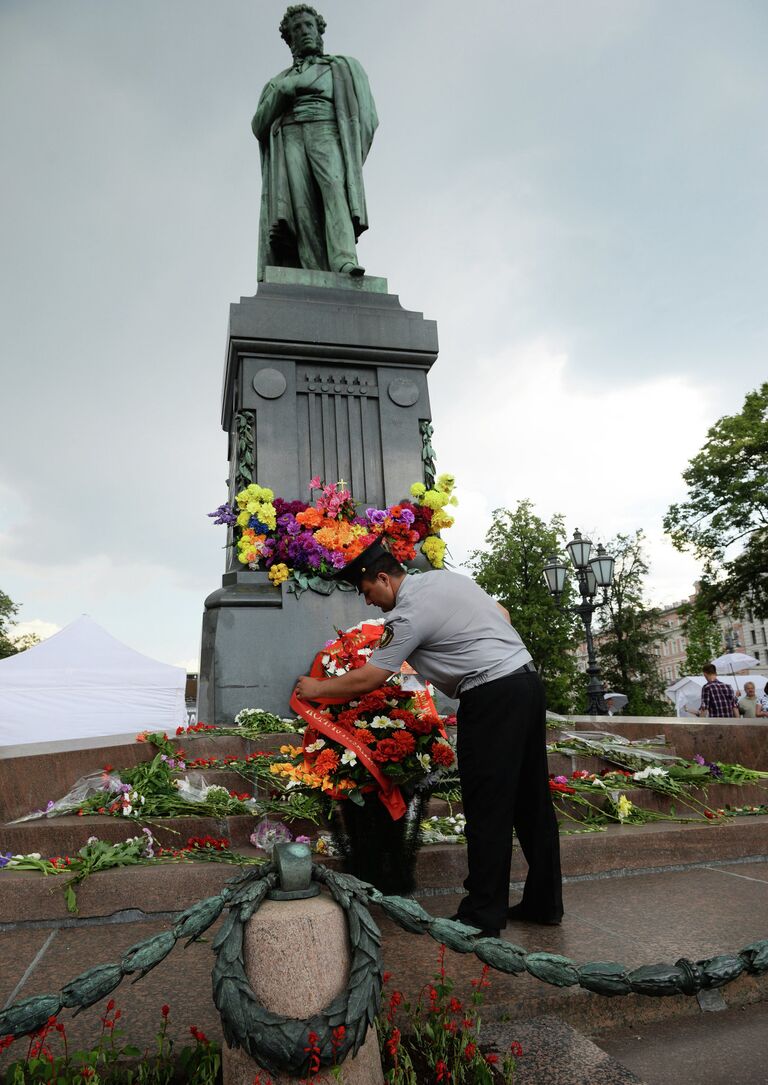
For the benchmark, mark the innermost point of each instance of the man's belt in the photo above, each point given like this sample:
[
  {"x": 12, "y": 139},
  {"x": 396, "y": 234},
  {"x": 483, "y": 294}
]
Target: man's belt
[{"x": 521, "y": 670}]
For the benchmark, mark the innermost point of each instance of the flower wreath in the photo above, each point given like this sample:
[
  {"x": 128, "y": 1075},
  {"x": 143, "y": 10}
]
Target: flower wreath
[{"x": 351, "y": 650}]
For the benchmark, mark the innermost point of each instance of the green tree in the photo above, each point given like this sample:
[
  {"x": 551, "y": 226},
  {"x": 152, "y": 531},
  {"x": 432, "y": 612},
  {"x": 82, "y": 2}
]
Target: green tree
[
  {"x": 11, "y": 643},
  {"x": 510, "y": 568},
  {"x": 703, "y": 637},
  {"x": 725, "y": 517},
  {"x": 628, "y": 632}
]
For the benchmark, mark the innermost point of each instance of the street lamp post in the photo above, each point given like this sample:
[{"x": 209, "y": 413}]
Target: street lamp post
[{"x": 592, "y": 573}]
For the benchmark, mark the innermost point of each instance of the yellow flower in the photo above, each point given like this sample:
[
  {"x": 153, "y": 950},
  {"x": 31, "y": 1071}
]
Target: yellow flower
[
  {"x": 418, "y": 489},
  {"x": 243, "y": 518},
  {"x": 281, "y": 768},
  {"x": 446, "y": 483},
  {"x": 434, "y": 548},
  {"x": 623, "y": 807},
  {"x": 441, "y": 520},
  {"x": 434, "y": 499},
  {"x": 279, "y": 573}
]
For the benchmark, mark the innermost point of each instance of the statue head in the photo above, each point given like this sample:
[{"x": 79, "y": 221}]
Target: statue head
[{"x": 302, "y": 28}]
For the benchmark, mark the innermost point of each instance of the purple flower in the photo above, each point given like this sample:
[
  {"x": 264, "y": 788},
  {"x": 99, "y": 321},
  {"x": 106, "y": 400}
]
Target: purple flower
[
  {"x": 289, "y": 524},
  {"x": 5, "y": 858},
  {"x": 376, "y": 516},
  {"x": 268, "y": 833},
  {"x": 407, "y": 517},
  {"x": 148, "y": 850},
  {"x": 49, "y": 805},
  {"x": 303, "y": 840},
  {"x": 224, "y": 514},
  {"x": 338, "y": 561},
  {"x": 699, "y": 759}
]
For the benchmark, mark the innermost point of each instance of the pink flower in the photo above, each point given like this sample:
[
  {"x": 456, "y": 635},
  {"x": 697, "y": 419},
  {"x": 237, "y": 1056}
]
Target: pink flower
[
  {"x": 561, "y": 779},
  {"x": 314, "y": 483}
]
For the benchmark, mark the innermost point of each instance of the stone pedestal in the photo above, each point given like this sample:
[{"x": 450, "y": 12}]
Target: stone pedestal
[
  {"x": 297, "y": 961},
  {"x": 325, "y": 375}
]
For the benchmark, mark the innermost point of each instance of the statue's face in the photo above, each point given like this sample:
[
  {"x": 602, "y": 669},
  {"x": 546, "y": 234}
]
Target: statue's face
[{"x": 304, "y": 35}]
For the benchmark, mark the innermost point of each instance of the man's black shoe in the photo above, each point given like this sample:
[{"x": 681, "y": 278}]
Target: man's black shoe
[
  {"x": 517, "y": 913},
  {"x": 484, "y": 932}
]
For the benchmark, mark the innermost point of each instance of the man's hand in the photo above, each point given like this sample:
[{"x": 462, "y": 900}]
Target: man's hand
[
  {"x": 344, "y": 687},
  {"x": 309, "y": 689},
  {"x": 289, "y": 84}
]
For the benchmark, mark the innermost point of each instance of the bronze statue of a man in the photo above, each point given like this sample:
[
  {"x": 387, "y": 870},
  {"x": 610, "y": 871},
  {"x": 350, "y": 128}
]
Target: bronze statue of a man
[{"x": 314, "y": 123}]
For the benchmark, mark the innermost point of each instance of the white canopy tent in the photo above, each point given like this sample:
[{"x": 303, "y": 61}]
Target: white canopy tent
[
  {"x": 685, "y": 693},
  {"x": 82, "y": 682}
]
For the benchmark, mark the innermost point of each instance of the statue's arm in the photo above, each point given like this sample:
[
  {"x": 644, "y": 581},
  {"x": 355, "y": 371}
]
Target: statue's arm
[{"x": 276, "y": 99}]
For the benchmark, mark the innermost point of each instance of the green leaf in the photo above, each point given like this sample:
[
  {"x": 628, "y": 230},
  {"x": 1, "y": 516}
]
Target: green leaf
[{"x": 320, "y": 585}]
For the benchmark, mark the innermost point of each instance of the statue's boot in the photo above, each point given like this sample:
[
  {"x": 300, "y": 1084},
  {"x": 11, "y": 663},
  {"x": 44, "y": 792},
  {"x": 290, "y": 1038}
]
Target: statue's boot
[{"x": 351, "y": 269}]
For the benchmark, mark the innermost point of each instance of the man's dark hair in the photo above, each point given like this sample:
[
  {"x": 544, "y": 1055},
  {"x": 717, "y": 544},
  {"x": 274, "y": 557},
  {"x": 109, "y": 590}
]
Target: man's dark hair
[
  {"x": 383, "y": 564},
  {"x": 709, "y": 668},
  {"x": 295, "y": 9}
]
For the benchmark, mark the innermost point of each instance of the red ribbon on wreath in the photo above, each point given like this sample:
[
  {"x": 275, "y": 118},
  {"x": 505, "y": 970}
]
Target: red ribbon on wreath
[
  {"x": 389, "y": 793},
  {"x": 368, "y": 633}
]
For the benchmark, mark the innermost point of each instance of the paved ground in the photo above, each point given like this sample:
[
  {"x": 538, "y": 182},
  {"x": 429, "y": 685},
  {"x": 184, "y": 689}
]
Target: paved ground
[
  {"x": 639, "y": 919},
  {"x": 728, "y": 1048}
]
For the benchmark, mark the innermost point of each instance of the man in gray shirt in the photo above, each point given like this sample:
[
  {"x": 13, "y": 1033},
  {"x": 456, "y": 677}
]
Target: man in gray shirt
[{"x": 457, "y": 637}]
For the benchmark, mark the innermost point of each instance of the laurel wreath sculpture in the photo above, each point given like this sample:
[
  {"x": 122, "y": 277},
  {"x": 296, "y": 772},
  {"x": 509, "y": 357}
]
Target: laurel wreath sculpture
[{"x": 279, "y": 1043}]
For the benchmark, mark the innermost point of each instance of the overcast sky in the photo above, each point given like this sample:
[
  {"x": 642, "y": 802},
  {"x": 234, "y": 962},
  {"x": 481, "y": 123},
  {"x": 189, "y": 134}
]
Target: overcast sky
[{"x": 574, "y": 190}]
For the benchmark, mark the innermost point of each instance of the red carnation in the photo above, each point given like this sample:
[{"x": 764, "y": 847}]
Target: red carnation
[
  {"x": 423, "y": 725},
  {"x": 388, "y": 750},
  {"x": 403, "y": 714},
  {"x": 372, "y": 702},
  {"x": 405, "y": 741},
  {"x": 327, "y": 762},
  {"x": 442, "y": 754}
]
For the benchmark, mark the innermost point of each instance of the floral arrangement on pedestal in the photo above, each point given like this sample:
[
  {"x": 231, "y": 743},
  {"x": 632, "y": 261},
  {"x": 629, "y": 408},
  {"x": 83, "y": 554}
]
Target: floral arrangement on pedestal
[{"x": 305, "y": 543}]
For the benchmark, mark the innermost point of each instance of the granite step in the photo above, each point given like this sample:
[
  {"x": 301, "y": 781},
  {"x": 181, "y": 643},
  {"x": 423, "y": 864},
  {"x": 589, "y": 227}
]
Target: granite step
[
  {"x": 716, "y": 796},
  {"x": 440, "y": 868},
  {"x": 65, "y": 835},
  {"x": 28, "y": 783}
]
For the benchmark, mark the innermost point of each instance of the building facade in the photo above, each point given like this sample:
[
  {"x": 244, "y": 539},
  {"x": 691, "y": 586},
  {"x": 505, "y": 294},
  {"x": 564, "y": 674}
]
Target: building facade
[{"x": 745, "y": 633}]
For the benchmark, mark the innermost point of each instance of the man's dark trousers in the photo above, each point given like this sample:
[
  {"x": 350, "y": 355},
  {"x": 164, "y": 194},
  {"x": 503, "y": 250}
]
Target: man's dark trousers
[{"x": 502, "y": 758}]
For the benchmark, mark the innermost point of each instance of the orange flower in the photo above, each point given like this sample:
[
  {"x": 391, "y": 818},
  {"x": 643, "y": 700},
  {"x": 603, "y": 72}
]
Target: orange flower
[
  {"x": 336, "y": 534},
  {"x": 310, "y": 518},
  {"x": 327, "y": 762}
]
